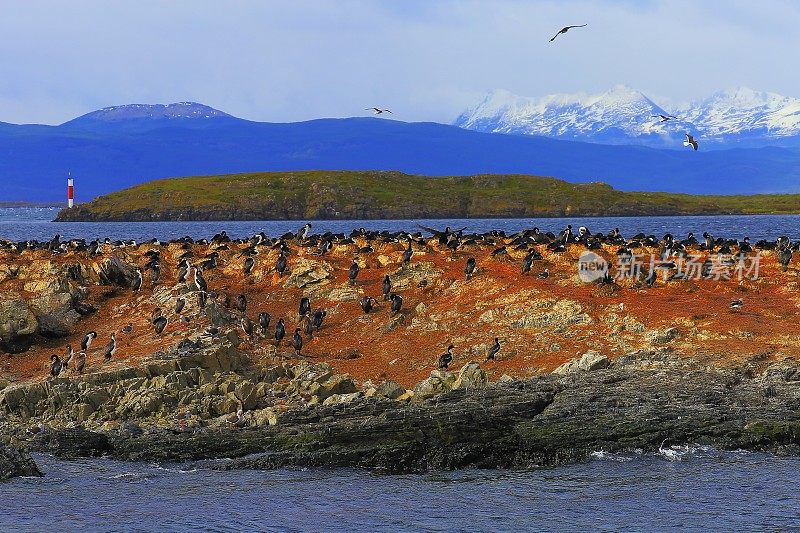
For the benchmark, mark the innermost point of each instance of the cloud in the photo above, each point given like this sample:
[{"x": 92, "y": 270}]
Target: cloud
[{"x": 287, "y": 60}]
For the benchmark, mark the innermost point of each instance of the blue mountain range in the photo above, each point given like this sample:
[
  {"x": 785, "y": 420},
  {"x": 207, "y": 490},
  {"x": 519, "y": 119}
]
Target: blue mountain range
[{"x": 117, "y": 147}]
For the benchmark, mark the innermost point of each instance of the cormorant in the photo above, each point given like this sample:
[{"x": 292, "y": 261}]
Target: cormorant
[
  {"x": 247, "y": 326},
  {"x": 80, "y": 363},
  {"x": 55, "y": 365},
  {"x": 137, "y": 281},
  {"x": 469, "y": 268},
  {"x": 397, "y": 302},
  {"x": 280, "y": 264},
  {"x": 353, "y": 273},
  {"x": 297, "y": 341},
  {"x": 86, "y": 343},
  {"x": 160, "y": 323},
  {"x": 367, "y": 304},
  {"x": 180, "y": 303},
  {"x": 387, "y": 287},
  {"x": 492, "y": 353},
  {"x": 305, "y": 307},
  {"x": 111, "y": 349},
  {"x": 280, "y": 332},
  {"x": 241, "y": 303},
  {"x": 263, "y": 321},
  {"x": 446, "y": 358},
  {"x": 249, "y": 263}
]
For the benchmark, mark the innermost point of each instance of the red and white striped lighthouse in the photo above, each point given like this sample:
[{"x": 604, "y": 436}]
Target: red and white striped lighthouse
[{"x": 70, "y": 191}]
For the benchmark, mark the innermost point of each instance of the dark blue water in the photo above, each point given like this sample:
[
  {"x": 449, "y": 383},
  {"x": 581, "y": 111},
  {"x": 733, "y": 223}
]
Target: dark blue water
[
  {"x": 27, "y": 223},
  {"x": 697, "y": 490}
]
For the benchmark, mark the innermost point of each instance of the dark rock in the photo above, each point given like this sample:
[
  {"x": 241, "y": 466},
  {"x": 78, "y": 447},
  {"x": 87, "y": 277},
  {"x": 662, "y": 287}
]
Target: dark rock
[
  {"x": 15, "y": 462},
  {"x": 71, "y": 443}
]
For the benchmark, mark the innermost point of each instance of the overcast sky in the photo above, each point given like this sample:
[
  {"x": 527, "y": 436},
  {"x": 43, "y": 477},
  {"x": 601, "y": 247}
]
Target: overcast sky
[{"x": 275, "y": 60}]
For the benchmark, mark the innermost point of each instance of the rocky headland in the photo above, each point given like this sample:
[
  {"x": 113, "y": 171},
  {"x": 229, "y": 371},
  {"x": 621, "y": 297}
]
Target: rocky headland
[{"x": 583, "y": 366}]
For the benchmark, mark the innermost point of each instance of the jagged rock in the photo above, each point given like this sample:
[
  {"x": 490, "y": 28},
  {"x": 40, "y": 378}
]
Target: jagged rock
[
  {"x": 439, "y": 382},
  {"x": 17, "y": 320},
  {"x": 15, "y": 462},
  {"x": 114, "y": 271},
  {"x": 338, "y": 399},
  {"x": 471, "y": 376},
  {"x": 591, "y": 360},
  {"x": 55, "y": 313},
  {"x": 408, "y": 276},
  {"x": 71, "y": 443},
  {"x": 306, "y": 272},
  {"x": 663, "y": 336},
  {"x": 390, "y": 389},
  {"x": 337, "y": 384}
]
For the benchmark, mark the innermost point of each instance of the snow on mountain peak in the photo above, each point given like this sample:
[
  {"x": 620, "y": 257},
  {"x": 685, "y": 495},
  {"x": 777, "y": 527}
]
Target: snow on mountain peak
[
  {"x": 623, "y": 115},
  {"x": 179, "y": 110}
]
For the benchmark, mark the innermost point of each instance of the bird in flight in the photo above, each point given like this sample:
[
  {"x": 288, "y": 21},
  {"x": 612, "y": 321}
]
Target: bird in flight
[
  {"x": 665, "y": 118},
  {"x": 378, "y": 111},
  {"x": 690, "y": 141},
  {"x": 565, "y": 30}
]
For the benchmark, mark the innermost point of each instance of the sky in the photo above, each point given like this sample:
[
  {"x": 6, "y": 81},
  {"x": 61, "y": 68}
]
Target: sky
[{"x": 280, "y": 61}]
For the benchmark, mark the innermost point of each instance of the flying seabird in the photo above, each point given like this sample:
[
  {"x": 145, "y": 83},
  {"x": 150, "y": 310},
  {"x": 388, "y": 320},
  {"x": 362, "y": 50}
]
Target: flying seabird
[
  {"x": 446, "y": 358},
  {"x": 665, "y": 118},
  {"x": 86, "y": 343},
  {"x": 566, "y": 29},
  {"x": 377, "y": 110},
  {"x": 690, "y": 141}
]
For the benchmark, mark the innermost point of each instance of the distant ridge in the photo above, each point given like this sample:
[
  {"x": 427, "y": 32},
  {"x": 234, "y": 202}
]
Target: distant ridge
[{"x": 122, "y": 146}]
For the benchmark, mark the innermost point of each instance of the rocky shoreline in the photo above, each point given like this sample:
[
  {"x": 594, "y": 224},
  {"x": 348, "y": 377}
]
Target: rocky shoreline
[{"x": 451, "y": 420}]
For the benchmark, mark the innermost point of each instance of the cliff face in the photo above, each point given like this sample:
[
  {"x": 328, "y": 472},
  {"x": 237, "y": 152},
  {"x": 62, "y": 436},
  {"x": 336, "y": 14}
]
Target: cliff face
[{"x": 187, "y": 377}]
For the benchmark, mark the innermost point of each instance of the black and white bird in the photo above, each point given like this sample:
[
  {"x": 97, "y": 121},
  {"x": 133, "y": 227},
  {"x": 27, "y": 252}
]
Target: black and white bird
[
  {"x": 304, "y": 231},
  {"x": 247, "y": 326},
  {"x": 353, "y": 272},
  {"x": 317, "y": 318},
  {"x": 469, "y": 268},
  {"x": 199, "y": 280},
  {"x": 387, "y": 287},
  {"x": 280, "y": 264},
  {"x": 241, "y": 303},
  {"x": 305, "y": 307},
  {"x": 249, "y": 263},
  {"x": 397, "y": 303},
  {"x": 127, "y": 330},
  {"x": 446, "y": 358},
  {"x": 544, "y": 274},
  {"x": 565, "y": 29},
  {"x": 297, "y": 341},
  {"x": 408, "y": 253},
  {"x": 80, "y": 362},
  {"x": 137, "y": 281},
  {"x": 736, "y": 305},
  {"x": 493, "y": 350},
  {"x": 691, "y": 141},
  {"x": 55, "y": 365},
  {"x": 111, "y": 348},
  {"x": 377, "y": 110},
  {"x": 368, "y": 304},
  {"x": 180, "y": 303},
  {"x": 160, "y": 324},
  {"x": 86, "y": 343},
  {"x": 68, "y": 357}
]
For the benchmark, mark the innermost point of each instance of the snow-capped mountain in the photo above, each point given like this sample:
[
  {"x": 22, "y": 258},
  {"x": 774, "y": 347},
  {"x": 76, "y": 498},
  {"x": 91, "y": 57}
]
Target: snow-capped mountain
[
  {"x": 626, "y": 116},
  {"x": 180, "y": 110}
]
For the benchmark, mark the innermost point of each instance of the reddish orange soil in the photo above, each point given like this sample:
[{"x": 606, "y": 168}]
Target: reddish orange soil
[{"x": 611, "y": 321}]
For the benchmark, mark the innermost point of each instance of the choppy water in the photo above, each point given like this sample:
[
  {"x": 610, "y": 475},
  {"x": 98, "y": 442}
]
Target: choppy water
[
  {"x": 35, "y": 223},
  {"x": 699, "y": 490}
]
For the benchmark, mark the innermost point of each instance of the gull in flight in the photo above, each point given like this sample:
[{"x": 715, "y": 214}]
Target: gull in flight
[
  {"x": 378, "y": 111},
  {"x": 565, "y": 30},
  {"x": 665, "y": 118},
  {"x": 690, "y": 141}
]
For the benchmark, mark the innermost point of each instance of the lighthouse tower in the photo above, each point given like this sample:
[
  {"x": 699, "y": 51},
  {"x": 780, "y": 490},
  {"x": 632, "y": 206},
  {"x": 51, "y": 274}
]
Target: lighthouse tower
[{"x": 70, "y": 191}]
